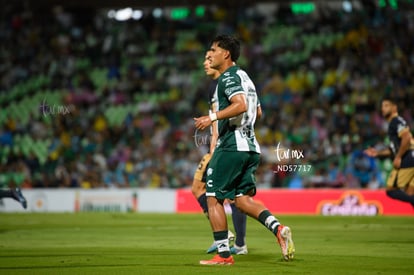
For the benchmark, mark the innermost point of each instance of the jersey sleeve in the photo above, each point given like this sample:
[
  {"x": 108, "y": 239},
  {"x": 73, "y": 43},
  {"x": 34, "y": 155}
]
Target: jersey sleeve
[
  {"x": 231, "y": 85},
  {"x": 401, "y": 126}
]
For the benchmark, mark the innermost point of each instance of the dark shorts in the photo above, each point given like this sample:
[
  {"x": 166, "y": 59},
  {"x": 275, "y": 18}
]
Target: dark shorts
[{"x": 232, "y": 174}]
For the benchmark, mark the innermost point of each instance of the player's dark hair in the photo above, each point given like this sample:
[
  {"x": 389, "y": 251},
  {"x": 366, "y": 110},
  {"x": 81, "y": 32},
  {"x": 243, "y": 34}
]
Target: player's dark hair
[
  {"x": 389, "y": 98},
  {"x": 229, "y": 43}
]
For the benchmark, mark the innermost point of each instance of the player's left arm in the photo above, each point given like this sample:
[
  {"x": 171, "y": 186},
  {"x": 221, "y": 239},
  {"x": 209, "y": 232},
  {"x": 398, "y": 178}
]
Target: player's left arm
[
  {"x": 259, "y": 112},
  {"x": 405, "y": 144}
]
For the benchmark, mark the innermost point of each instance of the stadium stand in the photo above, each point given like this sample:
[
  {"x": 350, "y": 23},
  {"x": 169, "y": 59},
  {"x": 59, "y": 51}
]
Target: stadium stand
[{"x": 90, "y": 102}]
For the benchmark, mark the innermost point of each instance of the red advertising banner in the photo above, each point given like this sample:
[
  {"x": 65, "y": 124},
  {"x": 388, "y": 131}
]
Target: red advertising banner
[{"x": 326, "y": 202}]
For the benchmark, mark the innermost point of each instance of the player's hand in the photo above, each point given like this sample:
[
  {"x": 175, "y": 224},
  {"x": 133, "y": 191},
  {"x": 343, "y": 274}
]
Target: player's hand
[
  {"x": 202, "y": 122},
  {"x": 371, "y": 152},
  {"x": 397, "y": 162}
]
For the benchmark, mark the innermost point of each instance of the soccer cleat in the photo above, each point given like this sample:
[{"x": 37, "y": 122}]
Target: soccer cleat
[
  {"x": 213, "y": 247},
  {"x": 218, "y": 260},
  {"x": 238, "y": 250},
  {"x": 231, "y": 236},
  {"x": 18, "y": 196},
  {"x": 284, "y": 237}
]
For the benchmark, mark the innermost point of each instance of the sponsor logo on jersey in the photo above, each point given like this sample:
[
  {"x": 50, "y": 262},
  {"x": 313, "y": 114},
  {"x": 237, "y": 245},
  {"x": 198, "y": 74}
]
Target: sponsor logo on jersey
[
  {"x": 228, "y": 83},
  {"x": 231, "y": 90}
]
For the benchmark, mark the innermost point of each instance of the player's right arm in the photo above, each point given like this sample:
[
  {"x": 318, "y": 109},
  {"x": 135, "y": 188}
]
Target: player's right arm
[
  {"x": 237, "y": 106},
  {"x": 372, "y": 152}
]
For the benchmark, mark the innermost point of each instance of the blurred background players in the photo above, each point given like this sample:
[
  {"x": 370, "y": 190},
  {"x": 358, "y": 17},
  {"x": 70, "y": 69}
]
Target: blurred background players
[
  {"x": 14, "y": 193},
  {"x": 198, "y": 187},
  {"x": 400, "y": 183},
  {"x": 324, "y": 78}
]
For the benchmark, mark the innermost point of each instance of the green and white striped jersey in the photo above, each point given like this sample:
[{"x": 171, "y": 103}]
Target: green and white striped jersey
[{"x": 237, "y": 133}]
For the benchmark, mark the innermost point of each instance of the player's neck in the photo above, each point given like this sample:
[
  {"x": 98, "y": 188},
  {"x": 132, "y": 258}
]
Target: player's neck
[
  {"x": 216, "y": 76},
  {"x": 392, "y": 116},
  {"x": 226, "y": 66}
]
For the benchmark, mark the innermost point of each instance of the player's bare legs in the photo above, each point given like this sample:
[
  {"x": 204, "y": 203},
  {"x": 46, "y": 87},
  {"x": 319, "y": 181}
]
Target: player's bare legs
[
  {"x": 198, "y": 188},
  {"x": 249, "y": 206},
  {"x": 218, "y": 222},
  {"x": 258, "y": 211},
  {"x": 217, "y": 214}
]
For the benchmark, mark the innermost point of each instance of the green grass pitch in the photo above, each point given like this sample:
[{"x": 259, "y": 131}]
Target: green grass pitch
[{"x": 131, "y": 243}]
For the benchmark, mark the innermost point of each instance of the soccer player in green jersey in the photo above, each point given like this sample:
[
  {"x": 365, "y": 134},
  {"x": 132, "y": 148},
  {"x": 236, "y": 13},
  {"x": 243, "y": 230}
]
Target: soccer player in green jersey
[
  {"x": 232, "y": 168},
  {"x": 198, "y": 186}
]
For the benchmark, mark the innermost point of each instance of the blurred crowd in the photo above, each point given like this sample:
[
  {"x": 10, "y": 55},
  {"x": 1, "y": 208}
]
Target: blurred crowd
[{"x": 325, "y": 105}]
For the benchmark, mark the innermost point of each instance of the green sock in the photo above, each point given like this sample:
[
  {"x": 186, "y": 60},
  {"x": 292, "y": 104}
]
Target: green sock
[
  {"x": 222, "y": 242},
  {"x": 267, "y": 219}
]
